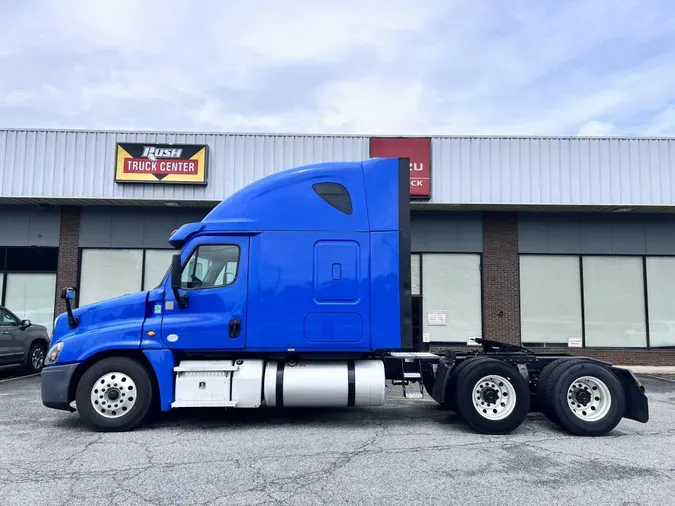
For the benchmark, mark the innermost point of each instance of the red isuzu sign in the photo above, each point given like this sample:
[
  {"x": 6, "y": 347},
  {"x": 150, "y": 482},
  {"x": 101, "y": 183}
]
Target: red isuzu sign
[{"x": 418, "y": 149}]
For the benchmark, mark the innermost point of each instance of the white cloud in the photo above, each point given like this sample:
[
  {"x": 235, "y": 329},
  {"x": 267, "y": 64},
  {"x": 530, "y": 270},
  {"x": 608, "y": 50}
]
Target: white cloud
[
  {"x": 663, "y": 123},
  {"x": 358, "y": 66},
  {"x": 596, "y": 129}
]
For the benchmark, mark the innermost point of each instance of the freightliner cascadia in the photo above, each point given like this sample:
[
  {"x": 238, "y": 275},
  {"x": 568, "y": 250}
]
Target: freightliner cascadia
[{"x": 296, "y": 291}]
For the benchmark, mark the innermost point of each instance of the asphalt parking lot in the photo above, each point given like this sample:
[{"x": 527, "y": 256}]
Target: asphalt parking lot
[{"x": 408, "y": 452}]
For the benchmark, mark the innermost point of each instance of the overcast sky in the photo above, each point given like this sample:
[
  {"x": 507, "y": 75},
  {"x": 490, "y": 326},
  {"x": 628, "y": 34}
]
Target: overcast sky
[{"x": 550, "y": 67}]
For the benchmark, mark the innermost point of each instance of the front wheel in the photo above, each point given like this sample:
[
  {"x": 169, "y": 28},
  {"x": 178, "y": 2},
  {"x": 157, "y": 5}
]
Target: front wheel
[
  {"x": 492, "y": 396},
  {"x": 114, "y": 395}
]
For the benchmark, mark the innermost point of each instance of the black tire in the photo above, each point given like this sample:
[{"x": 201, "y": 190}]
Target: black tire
[
  {"x": 451, "y": 387},
  {"x": 142, "y": 400},
  {"x": 544, "y": 399},
  {"x": 543, "y": 378},
  {"x": 37, "y": 350},
  {"x": 561, "y": 380},
  {"x": 471, "y": 375}
]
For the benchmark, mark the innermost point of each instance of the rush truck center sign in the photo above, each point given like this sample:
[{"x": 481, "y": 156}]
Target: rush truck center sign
[
  {"x": 161, "y": 163},
  {"x": 418, "y": 149}
]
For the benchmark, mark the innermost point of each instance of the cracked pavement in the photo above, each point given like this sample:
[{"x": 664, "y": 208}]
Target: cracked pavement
[{"x": 407, "y": 452}]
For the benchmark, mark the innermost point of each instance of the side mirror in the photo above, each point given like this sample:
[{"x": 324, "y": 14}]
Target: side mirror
[
  {"x": 68, "y": 294},
  {"x": 176, "y": 272},
  {"x": 25, "y": 324}
]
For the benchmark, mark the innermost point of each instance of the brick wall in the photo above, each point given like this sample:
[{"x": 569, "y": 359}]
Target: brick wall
[
  {"x": 501, "y": 278},
  {"x": 69, "y": 238},
  {"x": 616, "y": 357},
  {"x": 622, "y": 357}
]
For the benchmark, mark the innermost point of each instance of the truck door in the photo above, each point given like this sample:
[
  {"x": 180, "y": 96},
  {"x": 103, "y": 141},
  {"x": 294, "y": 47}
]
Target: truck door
[{"x": 215, "y": 280}]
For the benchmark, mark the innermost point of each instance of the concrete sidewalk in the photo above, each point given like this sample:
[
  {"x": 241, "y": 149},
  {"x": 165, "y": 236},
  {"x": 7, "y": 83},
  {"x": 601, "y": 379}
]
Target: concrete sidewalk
[{"x": 649, "y": 369}]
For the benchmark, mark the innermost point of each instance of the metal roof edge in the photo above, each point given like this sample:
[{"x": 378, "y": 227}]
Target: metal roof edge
[{"x": 336, "y": 135}]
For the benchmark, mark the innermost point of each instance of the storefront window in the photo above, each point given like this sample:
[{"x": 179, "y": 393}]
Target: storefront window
[
  {"x": 661, "y": 297},
  {"x": 157, "y": 263},
  {"x": 614, "y": 305},
  {"x": 31, "y": 297},
  {"x": 107, "y": 273},
  {"x": 550, "y": 299},
  {"x": 451, "y": 286}
]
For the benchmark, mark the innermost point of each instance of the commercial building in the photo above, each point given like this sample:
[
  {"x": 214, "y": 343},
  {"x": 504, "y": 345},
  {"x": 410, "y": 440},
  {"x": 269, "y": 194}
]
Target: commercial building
[{"x": 555, "y": 243}]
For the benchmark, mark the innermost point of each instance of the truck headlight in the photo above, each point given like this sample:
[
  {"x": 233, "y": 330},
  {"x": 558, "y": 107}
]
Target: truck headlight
[{"x": 54, "y": 353}]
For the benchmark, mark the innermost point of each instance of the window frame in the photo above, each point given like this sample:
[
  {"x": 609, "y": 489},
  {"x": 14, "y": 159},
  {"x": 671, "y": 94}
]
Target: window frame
[
  {"x": 196, "y": 248},
  {"x": 542, "y": 344},
  {"x": 645, "y": 281},
  {"x": 454, "y": 344}
]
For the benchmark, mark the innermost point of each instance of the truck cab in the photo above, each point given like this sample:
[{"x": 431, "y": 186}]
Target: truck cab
[{"x": 310, "y": 264}]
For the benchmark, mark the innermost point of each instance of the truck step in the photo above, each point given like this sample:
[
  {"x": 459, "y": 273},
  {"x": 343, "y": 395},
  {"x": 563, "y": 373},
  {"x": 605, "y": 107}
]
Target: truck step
[
  {"x": 204, "y": 404},
  {"x": 414, "y": 354},
  {"x": 205, "y": 366},
  {"x": 412, "y": 375}
]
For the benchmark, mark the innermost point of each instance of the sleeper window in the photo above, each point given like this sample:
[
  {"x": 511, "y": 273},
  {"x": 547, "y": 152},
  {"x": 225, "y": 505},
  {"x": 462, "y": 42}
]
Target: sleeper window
[{"x": 336, "y": 195}]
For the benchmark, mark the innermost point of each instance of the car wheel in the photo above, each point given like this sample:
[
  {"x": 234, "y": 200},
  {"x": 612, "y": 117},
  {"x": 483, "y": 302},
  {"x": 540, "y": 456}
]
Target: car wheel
[
  {"x": 36, "y": 358},
  {"x": 114, "y": 395}
]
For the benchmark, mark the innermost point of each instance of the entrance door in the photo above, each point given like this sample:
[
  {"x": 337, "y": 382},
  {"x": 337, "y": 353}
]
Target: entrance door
[{"x": 215, "y": 280}]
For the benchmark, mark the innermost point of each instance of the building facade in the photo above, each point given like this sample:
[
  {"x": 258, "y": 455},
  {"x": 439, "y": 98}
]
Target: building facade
[{"x": 559, "y": 244}]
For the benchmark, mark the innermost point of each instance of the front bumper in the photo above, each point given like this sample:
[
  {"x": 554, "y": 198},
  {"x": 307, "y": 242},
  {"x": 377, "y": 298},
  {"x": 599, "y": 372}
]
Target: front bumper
[{"x": 55, "y": 384}]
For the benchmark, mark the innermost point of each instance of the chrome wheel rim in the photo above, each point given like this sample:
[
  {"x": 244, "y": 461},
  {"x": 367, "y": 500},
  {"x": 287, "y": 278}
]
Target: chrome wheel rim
[
  {"x": 589, "y": 398},
  {"x": 113, "y": 395},
  {"x": 494, "y": 397},
  {"x": 37, "y": 358}
]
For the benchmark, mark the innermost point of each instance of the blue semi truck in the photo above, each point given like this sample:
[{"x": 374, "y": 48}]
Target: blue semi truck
[{"x": 296, "y": 291}]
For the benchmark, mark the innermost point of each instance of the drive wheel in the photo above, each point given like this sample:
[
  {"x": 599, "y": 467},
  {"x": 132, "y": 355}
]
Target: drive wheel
[
  {"x": 492, "y": 396},
  {"x": 587, "y": 398},
  {"x": 449, "y": 402},
  {"x": 114, "y": 395},
  {"x": 544, "y": 400}
]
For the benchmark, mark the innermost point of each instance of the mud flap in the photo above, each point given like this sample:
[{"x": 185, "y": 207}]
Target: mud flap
[
  {"x": 445, "y": 367},
  {"x": 637, "y": 404}
]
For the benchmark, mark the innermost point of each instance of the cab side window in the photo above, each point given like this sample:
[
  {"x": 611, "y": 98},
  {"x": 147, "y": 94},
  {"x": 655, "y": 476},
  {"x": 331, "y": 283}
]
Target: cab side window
[
  {"x": 211, "y": 266},
  {"x": 7, "y": 319}
]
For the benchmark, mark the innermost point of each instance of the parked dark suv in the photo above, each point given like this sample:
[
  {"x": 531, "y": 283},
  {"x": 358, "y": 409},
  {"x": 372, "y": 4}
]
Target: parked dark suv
[{"x": 21, "y": 342}]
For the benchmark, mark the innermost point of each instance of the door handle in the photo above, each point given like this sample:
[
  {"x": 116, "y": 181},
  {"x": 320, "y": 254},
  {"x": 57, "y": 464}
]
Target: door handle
[
  {"x": 6, "y": 332},
  {"x": 235, "y": 327}
]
